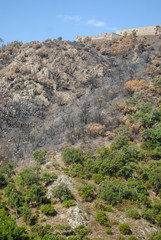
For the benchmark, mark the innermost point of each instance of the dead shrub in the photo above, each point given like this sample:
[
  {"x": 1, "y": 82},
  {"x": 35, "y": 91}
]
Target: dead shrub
[
  {"x": 133, "y": 85},
  {"x": 42, "y": 53},
  {"x": 95, "y": 130}
]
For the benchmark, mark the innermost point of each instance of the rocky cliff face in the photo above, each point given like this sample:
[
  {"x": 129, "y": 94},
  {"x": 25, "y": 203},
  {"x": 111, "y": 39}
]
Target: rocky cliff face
[{"x": 54, "y": 92}]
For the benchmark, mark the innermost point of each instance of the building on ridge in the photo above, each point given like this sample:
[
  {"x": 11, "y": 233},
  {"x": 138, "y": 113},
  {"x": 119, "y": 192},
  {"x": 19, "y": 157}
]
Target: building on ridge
[{"x": 142, "y": 31}]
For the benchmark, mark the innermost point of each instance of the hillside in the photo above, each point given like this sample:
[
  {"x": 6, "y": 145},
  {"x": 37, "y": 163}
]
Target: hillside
[
  {"x": 81, "y": 121},
  {"x": 55, "y": 92}
]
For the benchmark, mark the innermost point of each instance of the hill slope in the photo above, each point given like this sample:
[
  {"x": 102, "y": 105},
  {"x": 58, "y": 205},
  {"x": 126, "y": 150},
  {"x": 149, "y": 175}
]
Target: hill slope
[
  {"x": 75, "y": 98},
  {"x": 55, "y": 92}
]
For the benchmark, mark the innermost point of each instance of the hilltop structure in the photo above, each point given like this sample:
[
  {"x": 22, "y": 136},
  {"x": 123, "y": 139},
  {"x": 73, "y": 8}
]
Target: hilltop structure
[
  {"x": 142, "y": 31},
  {"x": 107, "y": 36}
]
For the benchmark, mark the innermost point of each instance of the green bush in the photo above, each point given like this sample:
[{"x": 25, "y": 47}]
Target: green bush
[
  {"x": 81, "y": 230},
  {"x": 42, "y": 231},
  {"x": 119, "y": 142},
  {"x": 114, "y": 191},
  {"x": 28, "y": 176},
  {"x": 62, "y": 192},
  {"x": 87, "y": 192},
  {"x": 62, "y": 227},
  {"x": 108, "y": 230},
  {"x": 28, "y": 217},
  {"x": 2, "y": 180},
  {"x": 132, "y": 238},
  {"x": 103, "y": 151},
  {"x": 152, "y": 137},
  {"x": 72, "y": 155},
  {"x": 133, "y": 213},
  {"x": 36, "y": 194},
  {"x": 155, "y": 153},
  {"x": 102, "y": 218},
  {"x": 48, "y": 177},
  {"x": 48, "y": 210},
  {"x": 39, "y": 156},
  {"x": 124, "y": 229},
  {"x": 98, "y": 178},
  {"x": 8, "y": 170},
  {"x": 155, "y": 236},
  {"x": 158, "y": 218},
  {"x": 156, "y": 82},
  {"x": 154, "y": 178},
  {"x": 100, "y": 205},
  {"x": 147, "y": 214},
  {"x": 9, "y": 228},
  {"x": 69, "y": 203}
]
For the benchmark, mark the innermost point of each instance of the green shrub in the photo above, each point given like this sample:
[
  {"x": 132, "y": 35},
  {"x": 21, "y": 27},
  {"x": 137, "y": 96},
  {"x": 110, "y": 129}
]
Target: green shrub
[
  {"x": 100, "y": 205},
  {"x": 155, "y": 153},
  {"x": 69, "y": 203},
  {"x": 119, "y": 142},
  {"x": 62, "y": 192},
  {"x": 120, "y": 238},
  {"x": 48, "y": 210},
  {"x": 109, "y": 208},
  {"x": 132, "y": 238},
  {"x": 102, "y": 218},
  {"x": 31, "y": 220},
  {"x": 152, "y": 137},
  {"x": 42, "y": 231},
  {"x": 62, "y": 227},
  {"x": 123, "y": 130},
  {"x": 28, "y": 176},
  {"x": 156, "y": 82},
  {"x": 36, "y": 194},
  {"x": 87, "y": 192},
  {"x": 158, "y": 218},
  {"x": 154, "y": 178},
  {"x": 108, "y": 230},
  {"x": 124, "y": 229},
  {"x": 48, "y": 177},
  {"x": 133, "y": 213},
  {"x": 27, "y": 216},
  {"x": 8, "y": 170},
  {"x": 2, "y": 180},
  {"x": 9, "y": 228},
  {"x": 39, "y": 156},
  {"x": 72, "y": 155},
  {"x": 155, "y": 236},
  {"x": 147, "y": 214},
  {"x": 81, "y": 230},
  {"x": 103, "y": 151},
  {"x": 114, "y": 191},
  {"x": 98, "y": 178}
]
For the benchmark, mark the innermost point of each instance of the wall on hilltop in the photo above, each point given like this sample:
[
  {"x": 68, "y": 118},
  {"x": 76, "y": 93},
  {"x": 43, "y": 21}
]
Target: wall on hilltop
[{"x": 152, "y": 30}]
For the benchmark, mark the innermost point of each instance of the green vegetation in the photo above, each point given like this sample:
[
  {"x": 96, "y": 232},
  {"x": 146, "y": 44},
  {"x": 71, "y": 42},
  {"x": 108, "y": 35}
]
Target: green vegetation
[
  {"x": 87, "y": 192},
  {"x": 124, "y": 229},
  {"x": 39, "y": 156},
  {"x": 127, "y": 176},
  {"x": 48, "y": 177},
  {"x": 69, "y": 203},
  {"x": 156, "y": 82},
  {"x": 133, "y": 213},
  {"x": 102, "y": 218},
  {"x": 62, "y": 192},
  {"x": 108, "y": 230},
  {"x": 48, "y": 210},
  {"x": 132, "y": 238},
  {"x": 72, "y": 155}
]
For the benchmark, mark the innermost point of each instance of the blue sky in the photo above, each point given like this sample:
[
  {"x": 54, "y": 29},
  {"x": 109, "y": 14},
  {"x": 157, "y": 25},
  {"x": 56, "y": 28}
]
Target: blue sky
[{"x": 37, "y": 20}]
